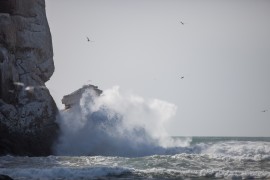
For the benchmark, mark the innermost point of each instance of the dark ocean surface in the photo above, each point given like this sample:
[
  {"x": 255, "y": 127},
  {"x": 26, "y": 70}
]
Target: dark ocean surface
[{"x": 203, "y": 158}]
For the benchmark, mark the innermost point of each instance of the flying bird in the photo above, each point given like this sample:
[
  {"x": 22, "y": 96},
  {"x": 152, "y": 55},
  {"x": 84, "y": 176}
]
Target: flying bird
[
  {"x": 182, "y": 77},
  {"x": 182, "y": 23},
  {"x": 88, "y": 40},
  {"x": 264, "y": 110}
]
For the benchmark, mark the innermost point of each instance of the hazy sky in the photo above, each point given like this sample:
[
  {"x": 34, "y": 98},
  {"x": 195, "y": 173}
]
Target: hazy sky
[{"x": 222, "y": 50}]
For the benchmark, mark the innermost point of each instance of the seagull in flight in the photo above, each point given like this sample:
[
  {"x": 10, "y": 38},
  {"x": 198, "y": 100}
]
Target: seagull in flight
[
  {"x": 265, "y": 110},
  {"x": 182, "y": 77},
  {"x": 182, "y": 23},
  {"x": 88, "y": 40}
]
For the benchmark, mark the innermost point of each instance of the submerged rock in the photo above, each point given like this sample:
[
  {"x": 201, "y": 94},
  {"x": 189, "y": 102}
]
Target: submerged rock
[{"x": 27, "y": 110}]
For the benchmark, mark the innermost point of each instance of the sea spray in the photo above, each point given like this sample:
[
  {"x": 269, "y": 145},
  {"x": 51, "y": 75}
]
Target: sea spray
[{"x": 116, "y": 125}]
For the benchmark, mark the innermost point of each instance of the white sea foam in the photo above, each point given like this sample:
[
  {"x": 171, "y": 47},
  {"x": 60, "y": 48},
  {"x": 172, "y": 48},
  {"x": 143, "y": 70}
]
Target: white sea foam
[
  {"x": 240, "y": 150},
  {"x": 208, "y": 173},
  {"x": 184, "y": 165},
  {"x": 129, "y": 173}
]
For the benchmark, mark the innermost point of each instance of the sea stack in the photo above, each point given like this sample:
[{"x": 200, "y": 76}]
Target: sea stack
[
  {"x": 27, "y": 111},
  {"x": 73, "y": 99}
]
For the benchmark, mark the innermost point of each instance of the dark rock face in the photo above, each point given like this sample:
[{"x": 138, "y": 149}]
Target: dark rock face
[
  {"x": 27, "y": 111},
  {"x": 5, "y": 177}
]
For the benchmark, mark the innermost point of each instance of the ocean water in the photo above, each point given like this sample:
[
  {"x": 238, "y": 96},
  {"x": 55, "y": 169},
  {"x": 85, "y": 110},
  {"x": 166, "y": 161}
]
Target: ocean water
[
  {"x": 203, "y": 158},
  {"x": 122, "y": 136}
]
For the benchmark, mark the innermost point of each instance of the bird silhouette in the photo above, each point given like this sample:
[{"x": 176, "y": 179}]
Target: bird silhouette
[
  {"x": 264, "y": 110},
  {"x": 88, "y": 40},
  {"x": 182, "y": 22},
  {"x": 182, "y": 77}
]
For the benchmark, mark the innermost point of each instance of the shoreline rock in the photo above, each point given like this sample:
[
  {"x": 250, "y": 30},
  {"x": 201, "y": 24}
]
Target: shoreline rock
[{"x": 28, "y": 112}]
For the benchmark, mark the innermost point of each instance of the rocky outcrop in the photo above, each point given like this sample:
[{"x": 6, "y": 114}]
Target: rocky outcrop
[
  {"x": 74, "y": 98},
  {"x": 5, "y": 177},
  {"x": 27, "y": 111}
]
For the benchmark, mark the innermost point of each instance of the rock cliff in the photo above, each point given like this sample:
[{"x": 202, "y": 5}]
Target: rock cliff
[{"x": 27, "y": 111}]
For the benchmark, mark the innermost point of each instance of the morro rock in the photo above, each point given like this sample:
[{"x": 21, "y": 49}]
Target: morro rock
[{"x": 27, "y": 110}]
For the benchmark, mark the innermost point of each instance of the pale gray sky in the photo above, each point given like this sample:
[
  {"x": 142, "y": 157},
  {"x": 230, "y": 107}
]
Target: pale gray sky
[{"x": 222, "y": 50}]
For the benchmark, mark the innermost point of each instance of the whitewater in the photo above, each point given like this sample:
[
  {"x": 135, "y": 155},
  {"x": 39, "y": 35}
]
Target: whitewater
[
  {"x": 205, "y": 158},
  {"x": 122, "y": 136}
]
